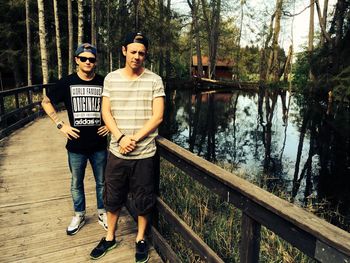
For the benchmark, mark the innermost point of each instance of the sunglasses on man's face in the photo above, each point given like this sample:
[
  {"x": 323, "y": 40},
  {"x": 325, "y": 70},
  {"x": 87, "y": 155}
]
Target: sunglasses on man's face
[{"x": 84, "y": 59}]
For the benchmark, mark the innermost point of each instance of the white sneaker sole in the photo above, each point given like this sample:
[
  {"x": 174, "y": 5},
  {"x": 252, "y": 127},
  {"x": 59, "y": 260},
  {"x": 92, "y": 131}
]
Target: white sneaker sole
[
  {"x": 82, "y": 223},
  {"x": 103, "y": 225},
  {"x": 143, "y": 261}
]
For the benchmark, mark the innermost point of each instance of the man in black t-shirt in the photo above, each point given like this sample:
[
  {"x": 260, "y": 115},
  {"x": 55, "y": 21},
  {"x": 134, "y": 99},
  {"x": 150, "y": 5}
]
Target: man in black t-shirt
[{"x": 81, "y": 94}]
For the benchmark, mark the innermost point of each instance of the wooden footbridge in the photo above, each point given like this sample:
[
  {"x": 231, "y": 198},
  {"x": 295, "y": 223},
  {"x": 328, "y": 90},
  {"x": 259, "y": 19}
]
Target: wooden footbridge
[{"x": 36, "y": 207}]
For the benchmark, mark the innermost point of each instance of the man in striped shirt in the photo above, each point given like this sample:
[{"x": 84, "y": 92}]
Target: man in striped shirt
[{"x": 132, "y": 109}]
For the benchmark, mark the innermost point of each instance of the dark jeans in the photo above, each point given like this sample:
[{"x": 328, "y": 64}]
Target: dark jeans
[{"x": 77, "y": 165}]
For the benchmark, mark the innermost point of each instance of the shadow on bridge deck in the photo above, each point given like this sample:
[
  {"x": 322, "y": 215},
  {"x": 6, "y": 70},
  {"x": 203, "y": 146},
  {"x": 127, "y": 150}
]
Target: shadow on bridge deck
[{"x": 36, "y": 206}]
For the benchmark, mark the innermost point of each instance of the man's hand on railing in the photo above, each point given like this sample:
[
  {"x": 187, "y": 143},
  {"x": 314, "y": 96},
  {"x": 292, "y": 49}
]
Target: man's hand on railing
[{"x": 69, "y": 132}]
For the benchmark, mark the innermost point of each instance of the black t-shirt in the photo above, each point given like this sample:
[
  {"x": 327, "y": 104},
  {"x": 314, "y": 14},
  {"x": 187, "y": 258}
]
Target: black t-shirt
[{"x": 82, "y": 100}]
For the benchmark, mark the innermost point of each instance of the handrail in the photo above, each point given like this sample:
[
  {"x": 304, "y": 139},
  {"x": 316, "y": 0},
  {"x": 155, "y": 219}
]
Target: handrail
[
  {"x": 307, "y": 232},
  {"x": 38, "y": 87},
  {"x": 310, "y": 234},
  {"x": 18, "y": 115}
]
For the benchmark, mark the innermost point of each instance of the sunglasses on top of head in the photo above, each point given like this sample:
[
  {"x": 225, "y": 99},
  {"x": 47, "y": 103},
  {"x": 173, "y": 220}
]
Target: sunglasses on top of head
[{"x": 84, "y": 59}]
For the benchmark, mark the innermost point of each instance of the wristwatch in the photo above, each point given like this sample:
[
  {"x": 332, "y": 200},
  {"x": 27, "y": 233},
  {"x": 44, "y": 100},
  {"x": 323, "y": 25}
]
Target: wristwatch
[{"x": 59, "y": 125}]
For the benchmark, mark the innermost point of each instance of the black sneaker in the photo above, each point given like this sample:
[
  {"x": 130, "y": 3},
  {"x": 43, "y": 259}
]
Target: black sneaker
[
  {"x": 141, "y": 255},
  {"x": 102, "y": 248}
]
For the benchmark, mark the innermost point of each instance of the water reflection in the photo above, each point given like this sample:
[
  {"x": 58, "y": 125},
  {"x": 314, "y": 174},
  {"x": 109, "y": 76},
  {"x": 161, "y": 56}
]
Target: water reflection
[{"x": 278, "y": 141}]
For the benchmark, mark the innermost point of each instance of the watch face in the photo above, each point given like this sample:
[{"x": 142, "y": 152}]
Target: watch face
[{"x": 59, "y": 126}]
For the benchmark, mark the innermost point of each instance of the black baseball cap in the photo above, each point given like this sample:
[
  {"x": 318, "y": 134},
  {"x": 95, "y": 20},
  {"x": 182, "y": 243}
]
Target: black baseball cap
[
  {"x": 133, "y": 37},
  {"x": 86, "y": 47}
]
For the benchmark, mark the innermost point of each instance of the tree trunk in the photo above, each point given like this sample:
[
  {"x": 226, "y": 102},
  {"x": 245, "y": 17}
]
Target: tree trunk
[
  {"x": 274, "y": 62},
  {"x": 323, "y": 21},
  {"x": 194, "y": 12},
  {"x": 98, "y": 19},
  {"x": 191, "y": 64},
  {"x": 109, "y": 53},
  {"x": 167, "y": 50},
  {"x": 265, "y": 52},
  {"x": 339, "y": 22},
  {"x": 136, "y": 14},
  {"x": 214, "y": 38},
  {"x": 287, "y": 64},
  {"x": 212, "y": 21},
  {"x": 339, "y": 32},
  {"x": 58, "y": 40},
  {"x": 324, "y": 18},
  {"x": 162, "y": 38},
  {"x": 311, "y": 38},
  {"x": 93, "y": 23},
  {"x": 238, "y": 53},
  {"x": 311, "y": 26},
  {"x": 29, "y": 46},
  {"x": 80, "y": 22},
  {"x": 42, "y": 35},
  {"x": 70, "y": 37}
]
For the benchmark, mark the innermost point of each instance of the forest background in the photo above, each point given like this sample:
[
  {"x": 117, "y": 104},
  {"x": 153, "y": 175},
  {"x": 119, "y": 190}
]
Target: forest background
[{"x": 38, "y": 39}]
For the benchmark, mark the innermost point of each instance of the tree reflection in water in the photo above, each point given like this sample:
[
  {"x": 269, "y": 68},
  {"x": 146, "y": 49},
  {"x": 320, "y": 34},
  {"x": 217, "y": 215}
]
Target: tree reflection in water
[{"x": 280, "y": 142}]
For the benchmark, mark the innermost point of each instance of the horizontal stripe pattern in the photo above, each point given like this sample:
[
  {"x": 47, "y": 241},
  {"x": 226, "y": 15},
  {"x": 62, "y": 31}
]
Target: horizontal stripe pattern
[{"x": 131, "y": 106}]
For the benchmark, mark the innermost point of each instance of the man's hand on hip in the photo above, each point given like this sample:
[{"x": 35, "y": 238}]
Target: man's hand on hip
[{"x": 70, "y": 132}]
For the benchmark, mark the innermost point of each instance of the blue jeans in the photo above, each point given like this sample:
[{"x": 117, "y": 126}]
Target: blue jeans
[{"x": 77, "y": 165}]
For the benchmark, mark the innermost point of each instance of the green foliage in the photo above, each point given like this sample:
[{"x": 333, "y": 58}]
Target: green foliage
[
  {"x": 165, "y": 44},
  {"x": 12, "y": 30},
  {"x": 172, "y": 42},
  {"x": 229, "y": 33},
  {"x": 217, "y": 222},
  {"x": 248, "y": 63},
  {"x": 10, "y": 101},
  {"x": 301, "y": 71},
  {"x": 339, "y": 83},
  {"x": 153, "y": 18},
  {"x": 211, "y": 218},
  {"x": 341, "y": 89}
]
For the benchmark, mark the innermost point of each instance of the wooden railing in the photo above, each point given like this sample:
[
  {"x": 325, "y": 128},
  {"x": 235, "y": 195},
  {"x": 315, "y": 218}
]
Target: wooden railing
[
  {"x": 311, "y": 235},
  {"x": 19, "y": 106}
]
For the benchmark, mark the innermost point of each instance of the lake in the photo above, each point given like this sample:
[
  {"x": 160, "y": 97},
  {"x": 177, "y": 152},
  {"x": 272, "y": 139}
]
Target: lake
[{"x": 293, "y": 147}]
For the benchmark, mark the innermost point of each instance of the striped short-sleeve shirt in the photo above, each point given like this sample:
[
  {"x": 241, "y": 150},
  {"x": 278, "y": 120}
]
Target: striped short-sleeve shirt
[{"x": 131, "y": 106}]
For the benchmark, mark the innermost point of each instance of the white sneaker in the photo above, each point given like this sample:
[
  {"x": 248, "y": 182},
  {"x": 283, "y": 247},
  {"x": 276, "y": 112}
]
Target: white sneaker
[
  {"x": 102, "y": 220},
  {"x": 77, "y": 222}
]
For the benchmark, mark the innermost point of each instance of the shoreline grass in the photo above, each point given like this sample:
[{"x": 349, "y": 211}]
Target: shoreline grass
[{"x": 217, "y": 222}]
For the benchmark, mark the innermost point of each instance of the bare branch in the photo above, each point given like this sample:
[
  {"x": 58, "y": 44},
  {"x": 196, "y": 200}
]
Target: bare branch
[
  {"x": 321, "y": 22},
  {"x": 286, "y": 13}
]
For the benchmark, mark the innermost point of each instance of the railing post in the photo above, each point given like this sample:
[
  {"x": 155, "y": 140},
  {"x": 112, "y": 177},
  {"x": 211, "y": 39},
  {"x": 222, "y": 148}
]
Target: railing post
[
  {"x": 250, "y": 240},
  {"x": 17, "y": 100},
  {"x": 2, "y": 112},
  {"x": 2, "y": 105},
  {"x": 30, "y": 96}
]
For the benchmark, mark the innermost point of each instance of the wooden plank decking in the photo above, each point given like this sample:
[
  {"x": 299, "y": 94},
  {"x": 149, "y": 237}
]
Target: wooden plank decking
[{"x": 36, "y": 206}]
